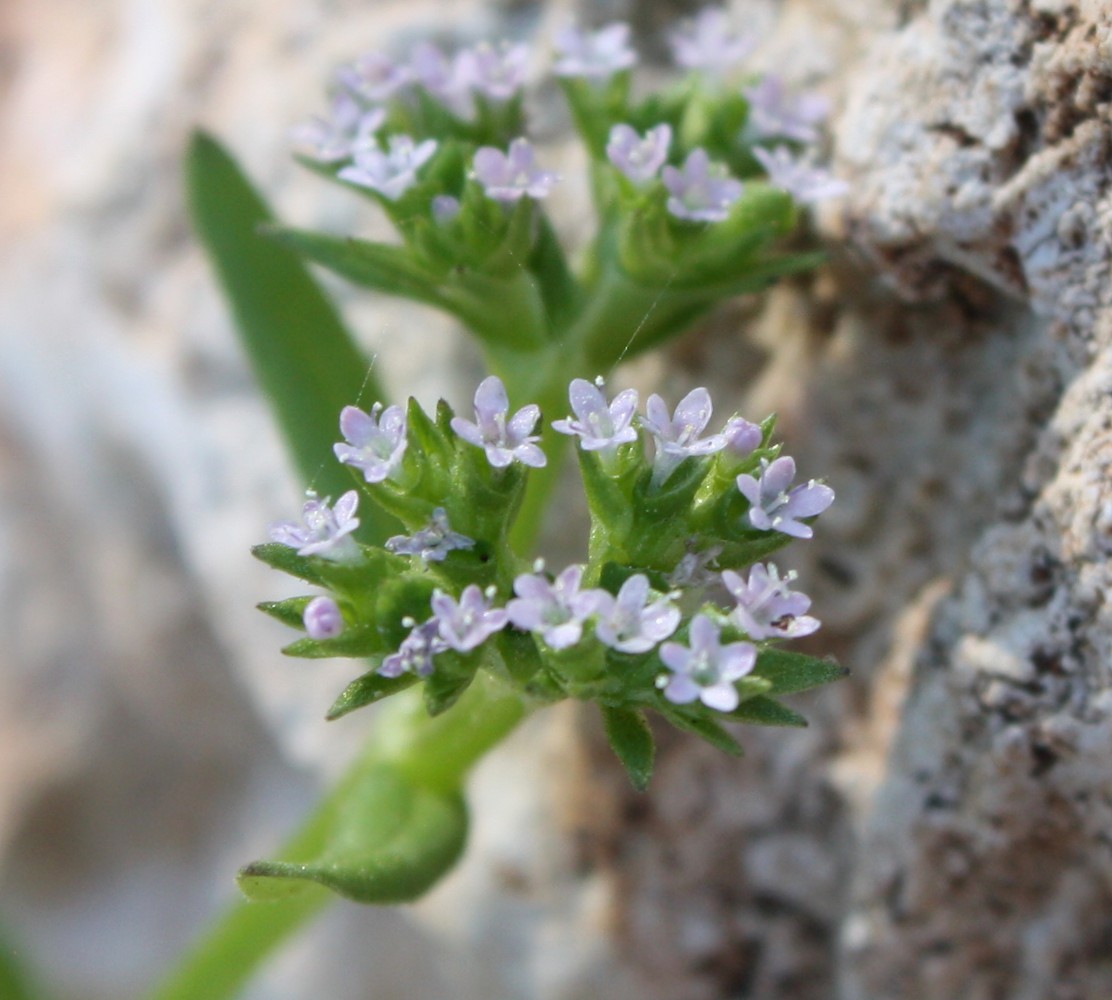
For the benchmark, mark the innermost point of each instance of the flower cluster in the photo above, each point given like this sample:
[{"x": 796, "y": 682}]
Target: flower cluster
[
  {"x": 676, "y": 607},
  {"x": 633, "y": 625},
  {"x": 394, "y": 123}
]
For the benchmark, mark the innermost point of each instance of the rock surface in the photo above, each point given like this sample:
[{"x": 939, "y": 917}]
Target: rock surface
[{"x": 941, "y": 830}]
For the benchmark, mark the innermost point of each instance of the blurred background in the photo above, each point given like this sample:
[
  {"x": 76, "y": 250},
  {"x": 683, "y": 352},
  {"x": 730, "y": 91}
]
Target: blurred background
[{"x": 934, "y": 834}]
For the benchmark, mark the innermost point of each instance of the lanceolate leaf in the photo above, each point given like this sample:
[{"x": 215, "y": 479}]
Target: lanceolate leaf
[
  {"x": 708, "y": 729},
  {"x": 632, "y": 741},
  {"x": 762, "y": 711},
  {"x": 790, "y": 672},
  {"x": 304, "y": 359},
  {"x": 366, "y": 690},
  {"x": 385, "y": 268}
]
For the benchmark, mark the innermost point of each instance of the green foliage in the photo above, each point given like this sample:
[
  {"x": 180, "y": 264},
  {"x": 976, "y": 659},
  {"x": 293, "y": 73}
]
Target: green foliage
[
  {"x": 388, "y": 842},
  {"x": 303, "y": 357},
  {"x": 632, "y": 741}
]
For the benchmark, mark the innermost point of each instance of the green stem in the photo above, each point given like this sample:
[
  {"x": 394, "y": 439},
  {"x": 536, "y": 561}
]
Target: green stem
[{"x": 435, "y": 753}]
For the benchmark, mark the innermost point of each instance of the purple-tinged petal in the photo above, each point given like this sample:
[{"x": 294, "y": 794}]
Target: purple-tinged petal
[
  {"x": 808, "y": 500},
  {"x": 700, "y": 191},
  {"x": 594, "y": 55},
  {"x": 322, "y": 618},
  {"x": 803, "y": 182},
  {"x": 376, "y": 442},
  {"x": 773, "y": 111},
  {"x": 639, "y": 158},
  {"x": 723, "y": 697},
  {"x": 707, "y": 43},
  {"x": 742, "y": 437},
  {"x": 507, "y": 177},
  {"x": 681, "y": 690},
  {"x": 323, "y": 531},
  {"x": 777, "y": 476}
]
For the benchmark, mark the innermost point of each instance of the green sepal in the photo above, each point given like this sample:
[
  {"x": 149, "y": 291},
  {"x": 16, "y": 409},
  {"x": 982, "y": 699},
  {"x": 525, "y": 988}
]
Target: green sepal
[
  {"x": 519, "y": 654},
  {"x": 399, "y": 599},
  {"x": 452, "y": 675},
  {"x": 757, "y": 546},
  {"x": 289, "y": 612},
  {"x": 353, "y": 643},
  {"x": 385, "y": 268},
  {"x": 595, "y": 106},
  {"x": 614, "y": 574},
  {"x": 366, "y": 690},
  {"x": 632, "y": 741},
  {"x": 661, "y": 514},
  {"x": 358, "y": 579},
  {"x": 789, "y": 672},
  {"x": 424, "y": 435},
  {"x": 390, "y": 841},
  {"x": 764, "y": 711},
  {"x": 286, "y": 559},
  {"x": 488, "y": 499},
  {"x": 560, "y": 291},
  {"x": 703, "y": 727},
  {"x": 608, "y": 498}
]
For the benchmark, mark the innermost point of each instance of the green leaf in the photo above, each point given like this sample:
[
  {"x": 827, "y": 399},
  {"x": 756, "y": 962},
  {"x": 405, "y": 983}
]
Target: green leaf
[
  {"x": 306, "y": 362},
  {"x": 389, "y": 841},
  {"x": 385, "y": 268},
  {"x": 366, "y": 690},
  {"x": 790, "y": 672},
  {"x": 286, "y": 559},
  {"x": 289, "y": 612},
  {"x": 632, "y": 740},
  {"x": 702, "y": 727},
  {"x": 762, "y": 711},
  {"x": 355, "y": 642}
]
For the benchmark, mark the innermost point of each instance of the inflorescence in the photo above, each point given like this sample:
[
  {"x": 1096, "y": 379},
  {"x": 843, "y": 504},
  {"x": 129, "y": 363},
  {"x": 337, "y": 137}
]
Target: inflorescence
[
  {"x": 454, "y": 118},
  {"x": 672, "y": 609},
  {"x": 675, "y": 609}
]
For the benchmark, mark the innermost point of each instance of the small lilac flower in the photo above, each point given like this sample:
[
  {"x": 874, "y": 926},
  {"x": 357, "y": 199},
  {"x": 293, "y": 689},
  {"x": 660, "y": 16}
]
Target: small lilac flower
[
  {"x": 496, "y": 72},
  {"x": 323, "y": 531},
  {"x": 445, "y": 208},
  {"x": 430, "y": 544},
  {"x": 415, "y": 654},
  {"x": 639, "y": 158},
  {"x": 390, "y": 173},
  {"x": 595, "y": 55},
  {"x": 600, "y": 427},
  {"x": 470, "y": 622},
  {"x": 775, "y": 112},
  {"x": 677, "y": 436},
  {"x": 508, "y": 177},
  {"x": 706, "y": 43},
  {"x": 742, "y": 437},
  {"x": 503, "y": 440},
  {"x": 766, "y": 606},
  {"x": 706, "y": 670},
  {"x": 803, "y": 182},
  {"x": 701, "y": 191},
  {"x": 628, "y": 623},
  {"x": 776, "y": 508},
  {"x": 695, "y": 569},
  {"x": 375, "y": 441},
  {"x": 555, "y": 609},
  {"x": 322, "y": 618},
  {"x": 348, "y": 126},
  {"x": 374, "y": 77},
  {"x": 448, "y": 80}
]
